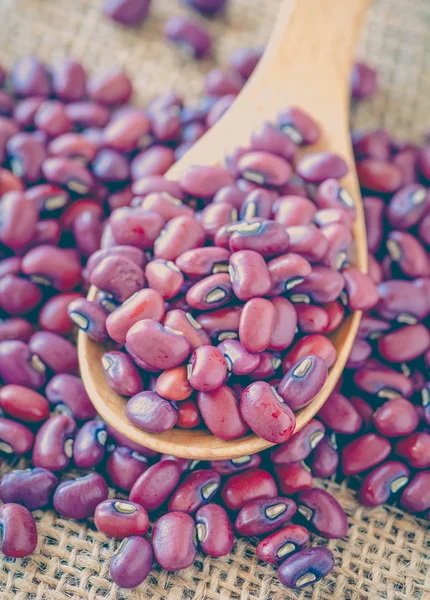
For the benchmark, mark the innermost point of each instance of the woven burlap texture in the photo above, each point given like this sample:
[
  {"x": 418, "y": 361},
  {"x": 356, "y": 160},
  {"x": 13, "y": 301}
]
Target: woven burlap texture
[{"x": 386, "y": 554}]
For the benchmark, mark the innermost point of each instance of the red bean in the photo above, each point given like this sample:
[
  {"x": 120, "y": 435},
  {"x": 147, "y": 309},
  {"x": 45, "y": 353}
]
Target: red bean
[
  {"x": 249, "y": 485},
  {"x": 124, "y": 467},
  {"x": 89, "y": 445},
  {"x": 221, "y": 414},
  {"x": 268, "y": 238},
  {"x": 18, "y": 296},
  {"x": 256, "y": 324},
  {"x": 205, "y": 181},
  {"x": 183, "y": 321},
  {"x": 293, "y": 477},
  {"x": 340, "y": 415},
  {"x": 57, "y": 267},
  {"x": 314, "y": 344},
  {"x": 382, "y": 482},
  {"x": 120, "y": 519},
  {"x": 19, "y": 366},
  {"x": 15, "y": 438},
  {"x": 407, "y": 251},
  {"x": 303, "y": 381},
  {"x": 330, "y": 194},
  {"x": 364, "y": 452},
  {"x": 53, "y": 315},
  {"x": 144, "y": 304},
  {"x": 415, "y": 449},
  {"x": 287, "y": 271},
  {"x": 265, "y": 413},
  {"x": 300, "y": 445},
  {"x": 405, "y": 344},
  {"x": 383, "y": 382},
  {"x": 294, "y": 210},
  {"x": 282, "y": 543},
  {"x": 319, "y": 166},
  {"x": 58, "y": 354},
  {"x": 207, "y": 369},
  {"x": 213, "y": 530},
  {"x": 30, "y": 78},
  {"x": 325, "y": 458},
  {"x": 132, "y": 562},
  {"x": 23, "y": 403},
  {"x": 19, "y": 532},
  {"x": 299, "y": 126},
  {"x": 257, "y": 203},
  {"x": 249, "y": 274},
  {"x": 18, "y": 221},
  {"x": 67, "y": 393},
  {"x": 235, "y": 465},
  {"x": 396, "y": 418},
  {"x": 311, "y": 318},
  {"x": 197, "y": 489},
  {"x": 173, "y": 541},
  {"x": 211, "y": 292},
  {"x": 379, "y": 176},
  {"x": 15, "y": 329}
]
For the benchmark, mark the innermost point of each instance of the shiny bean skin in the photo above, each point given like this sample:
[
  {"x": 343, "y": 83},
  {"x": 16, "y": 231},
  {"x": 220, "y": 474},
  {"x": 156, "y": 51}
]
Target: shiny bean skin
[
  {"x": 306, "y": 567},
  {"x": 211, "y": 292},
  {"x": 150, "y": 412},
  {"x": 325, "y": 458},
  {"x": 213, "y": 530},
  {"x": 113, "y": 88},
  {"x": 89, "y": 445},
  {"x": 180, "y": 234},
  {"x": 120, "y": 519},
  {"x": 383, "y": 382},
  {"x": 197, "y": 489},
  {"x": 69, "y": 80},
  {"x": 132, "y": 562},
  {"x": 401, "y": 301},
  {"x": 124, "y": 467},
  {"x": 79, "y": 498},
  {"x": 415, "y": 497},
  {"x": 371, "y": 327},
  {"x": 15, "y": 438},
  {"x": 205, "y": 181},
  {"x": 264, "y": 168},
  {"x": 207, "y": 369},
  {"x": 164, "y": 277},
  {"x": 282, "y": 543},
  {"x": 405, "y": 344},
  {"x": 32, "y": 488},
  {"x": 26, "y": 155},
  {"x": 319, "y": 166},
  {"x": 215, "y": 215},
  {"x": 90, "y": 317},
  {"x": 58, "y": 267},
  {"x": 307, "y": 241},
  {"x": 173, "y": 541},
  {"x": 423, "y": 230},
  {"x": 340, "y": 415},
  {"x": 262, "y": 516},
  {"x": 23, "y": 403},
  {"x": 134, "y": 254},
  {"x": 87, "y": 114},
  {"x": 300, "y": 445},
  {"x": 410, "y": 255},
  {"x": 153, "y": 161},
  {"x": 235, "y": 465},
  {"x": 268, "y": 238},
  {"x": 331, "y": 216},
  {"x": 249, "y": 275},
  {"x": 18, "y": 221},
  {"x": 68, "y": 395},
  {"x": 364, "y": 453},
  {"x": 144, "y": 304},
  {"x": 293, "y": 477},
  {"x": 294, "y": 210},
  {"x": 239, "y": 360},
  {"x": 330, "y": 194},
  {"x": 15, "y": 329},
  {"x": 265, "y": 413},
  {"x": 256, "y": 324},
  {"x": 324, "y": 512},
  {"x": 311, "y": 318},
  {"x": 18, "y": 296},
  {"x": 19, "y": 366},
  {"x": 68, "y": 173},
  {"x": 158, "y": 346},
  {"x": 322, "y": 285},
  {"x": 221, "y": 413},
  {"x": 303, "y": 381},
  {"x": 257, "y": 203},
  {"x": 157, "y": 184},
  {"x": 382, "y": 482},
  {"x": 118, "y": 276},
  {"x": 299, "y": 126},
  {"x": 379, "y": 176},
  {"x": 396, "y": 418},
  {"x": 201, "y": 262},
  {"x": 57, "y": 354},
  {"x": 188, "y": 415},
  {"x": 53, "y": 445},
  {"x": 156, "y": 484},
  {"x": 166, "y": 205},
  {"x": 241, "y": 488},
  {"x": 313, "y": 344},
  {"x": 180, "y": 320},
  {"x": 19, "y": 532},
  {"x": 407, "y": 206},
  {"x": 287, "y": 271},
  {"x": 190, "y": 36},
  {"x": 53, "y": 315},
  {"x": 29, "y": 77},
  {"x": 136, "y": 227},
  {"x": 415, "y": 450},
  {"x": 221, "y": 324}
]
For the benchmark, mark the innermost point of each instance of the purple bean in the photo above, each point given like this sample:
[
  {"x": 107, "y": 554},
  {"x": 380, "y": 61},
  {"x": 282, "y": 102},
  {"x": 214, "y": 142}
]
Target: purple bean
[
  {"x": 124, "y": 467},
  {"x": 90, "y": 317},
  {"x": 197, "y": 489},
  {"x": 173, "y": 541},
  {"x": 383, "y": 382},
  {"x": 249, "y": 274},
  {"x": 330, "y": 194},
  {"x": 18, "y": 296},
  {"x": 53, "y": 445},
  {"x": 89, "y": 446},
  {"x": 319, "y": 166},
  {"x": 324, "y": 512},
  {"x": 58, "y": 267},
  {"x": 19, "y": 532},
  {"x": 396, "y": 418},
  {"x": 132, "y": 562},
  {"x": 306, "y": 567},
  {"x": 121, "y": 374},
  {"x": 220, "y": 411},
  {"x": 262, "y": 516},
  {"x": 299, "y": 126},
  {"x": 15, "y": 438},
  {"x": 269, "y": 139},
  {"x": 78, "y": 498},
  {"x": 18, "y": 219},
  {"x": 32, "y": 488},
  {"x": 127, "y": 12},
  {"x": 300, "y": 445},
  {"x": 325, "y": 458},
  {"x": 307, "y": 241},
  {"x": 150, "y": 412},
  {"x": 210, "y": 292},
  {"x": 383, "y": 481},
  {"x": 340, "y": 415},
  {"x": 154, "y": 486},
  {"x": 57, "y": 354},
  {"x": 235, "y": 465},
  {"x": 19, "y": 366},
  {"x": 322, "y": 285},
  {"x": 364, "y": 81},
  {"x": 416, "y": 496},
  {"x": 67, "y": 393},
  {"x": 191, "y": 37},
  {"x": 415, "y": 449},
  {"x": 30, "y": 78},
  {"x": 206, "y": 7},
  {"x": 213, "y": 530},
  {"x": 156, "y": 160},
  {"x": 15, "y": 329},
  {"x": 303, "y": 381}
]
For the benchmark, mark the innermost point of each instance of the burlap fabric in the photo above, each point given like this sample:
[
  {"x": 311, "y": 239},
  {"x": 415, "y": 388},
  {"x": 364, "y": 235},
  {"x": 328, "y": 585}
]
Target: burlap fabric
[{"x": 387, "y": 553}]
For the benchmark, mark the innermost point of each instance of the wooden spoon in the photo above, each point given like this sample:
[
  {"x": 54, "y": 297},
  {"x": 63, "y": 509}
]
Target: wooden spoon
[{"x": 307, "y": 64}]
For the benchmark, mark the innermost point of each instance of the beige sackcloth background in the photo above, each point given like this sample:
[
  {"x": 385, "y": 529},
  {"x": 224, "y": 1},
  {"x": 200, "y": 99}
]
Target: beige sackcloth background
[{"x": 386, "y": 555}]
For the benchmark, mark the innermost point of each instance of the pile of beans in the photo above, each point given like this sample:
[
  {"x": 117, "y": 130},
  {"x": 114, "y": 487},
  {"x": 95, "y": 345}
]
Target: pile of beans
[{"x": 78, "y": 166}]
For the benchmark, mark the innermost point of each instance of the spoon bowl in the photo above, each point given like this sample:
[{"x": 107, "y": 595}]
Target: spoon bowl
[{"x": 307, "y": 64}]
